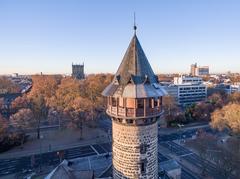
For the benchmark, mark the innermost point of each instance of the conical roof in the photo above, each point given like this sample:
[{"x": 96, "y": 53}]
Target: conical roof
[
  {"x": 135, "y": 65},
  {"x": 135, "y": 77}
]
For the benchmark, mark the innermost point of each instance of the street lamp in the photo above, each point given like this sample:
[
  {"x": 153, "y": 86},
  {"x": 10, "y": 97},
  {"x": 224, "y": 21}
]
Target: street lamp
[
  {"x": 180, "y": 127},
  {"x": 40, "y": 166}
]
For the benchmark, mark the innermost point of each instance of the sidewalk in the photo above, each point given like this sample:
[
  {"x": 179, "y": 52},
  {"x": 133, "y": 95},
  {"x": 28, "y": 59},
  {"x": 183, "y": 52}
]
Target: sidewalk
[
  {"x": 56, "y": 140},
  {"x": 167, "y": 131}
]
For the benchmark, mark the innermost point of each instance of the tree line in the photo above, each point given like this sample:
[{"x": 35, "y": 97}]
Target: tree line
[
  {"x": 54, "y": 99},
  {"x": 220, "y": 109}
]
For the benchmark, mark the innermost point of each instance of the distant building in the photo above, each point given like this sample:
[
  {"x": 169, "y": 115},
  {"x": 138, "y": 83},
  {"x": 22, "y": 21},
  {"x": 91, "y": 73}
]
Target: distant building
[
  {"x": 193, "y": 69},
  {"x": 15, "y": 75},
  {"x": 78, "y": 71},
  {"x": 228, "y": 88},
  {"x": 187, "y": 90},
  {"x": 199, "y": 70}
]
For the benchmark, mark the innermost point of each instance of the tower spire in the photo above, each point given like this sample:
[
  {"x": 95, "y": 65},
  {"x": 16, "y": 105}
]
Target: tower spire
[{"x": 134, "y": 26}]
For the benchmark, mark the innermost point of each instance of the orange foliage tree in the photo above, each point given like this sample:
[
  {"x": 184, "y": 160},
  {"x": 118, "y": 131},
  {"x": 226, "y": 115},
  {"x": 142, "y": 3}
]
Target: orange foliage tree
[{"x": 227, "y": 117}]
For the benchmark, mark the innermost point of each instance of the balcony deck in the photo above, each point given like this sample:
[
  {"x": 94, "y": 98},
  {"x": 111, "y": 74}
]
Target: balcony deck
[{"x": 133, "y": 113}]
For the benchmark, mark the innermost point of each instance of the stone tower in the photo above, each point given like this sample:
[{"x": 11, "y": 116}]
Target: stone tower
[
  {"x": 134, "y": 102},
  {"x": 78, "y": 71}
]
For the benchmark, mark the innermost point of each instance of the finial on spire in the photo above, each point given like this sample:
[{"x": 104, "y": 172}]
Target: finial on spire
[{"x": 135, "y": 27}]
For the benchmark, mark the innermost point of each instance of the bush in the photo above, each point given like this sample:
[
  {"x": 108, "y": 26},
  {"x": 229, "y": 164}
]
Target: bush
[{"x": 11, "y": 140}]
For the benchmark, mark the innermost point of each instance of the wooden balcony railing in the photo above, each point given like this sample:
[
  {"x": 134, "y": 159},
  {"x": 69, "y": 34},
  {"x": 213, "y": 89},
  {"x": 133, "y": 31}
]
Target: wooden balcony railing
[{"x": 132, "y": 112}]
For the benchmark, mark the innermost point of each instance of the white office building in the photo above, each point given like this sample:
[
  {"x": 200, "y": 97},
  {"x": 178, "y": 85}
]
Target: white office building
[{"x": 187, "y": 90}]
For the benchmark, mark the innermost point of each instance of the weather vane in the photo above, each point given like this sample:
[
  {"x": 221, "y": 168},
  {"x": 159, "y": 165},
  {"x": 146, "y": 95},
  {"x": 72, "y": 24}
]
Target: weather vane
[{"x": 134, "y": 27}]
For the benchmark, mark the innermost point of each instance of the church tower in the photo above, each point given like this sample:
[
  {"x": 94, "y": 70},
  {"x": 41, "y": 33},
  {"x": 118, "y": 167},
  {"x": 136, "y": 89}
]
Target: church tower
[{"x": 134, "y": 103}]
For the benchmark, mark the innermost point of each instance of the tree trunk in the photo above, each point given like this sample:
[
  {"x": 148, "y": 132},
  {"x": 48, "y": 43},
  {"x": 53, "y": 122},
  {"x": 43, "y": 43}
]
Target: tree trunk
[
  {"x": 38, "y": 129},
  {"x": 38, "y": 133},
  {"x": 81, "y": 129}
]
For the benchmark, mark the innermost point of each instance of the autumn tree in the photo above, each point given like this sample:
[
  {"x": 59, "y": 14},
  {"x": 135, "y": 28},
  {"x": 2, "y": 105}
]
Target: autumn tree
[
  {"x": 235, "y": 97},
  {"x": 200, "y": 111},
  {"x": 8, "y": 86},
  {"x": 3, "y": 127},
  {"x": 1, "y": 103},
  {"x": 94, "y": 85},
  {"x": 227, "y": 118},
  {"x": 39, "y": 110},
  {"x": 169, "y": 105},
  {"x": 45, "y": 85},
  {"x": 66, "y": 92},
  {"x": 79, "y": 113},
  {"x": 172, "y": 113},
  {"x": 89, "y": 91},
  {"x": 234, "y": 78},
  {"x": 23, "y": 119},
  {"x": 218, "y": 100},
  {"x": 20, "y": 103}
]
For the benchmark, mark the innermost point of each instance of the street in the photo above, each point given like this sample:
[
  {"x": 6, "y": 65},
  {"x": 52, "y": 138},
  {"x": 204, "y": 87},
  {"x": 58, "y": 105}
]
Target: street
[
  {"x": 22, "y": 164},
  {"x": 29, "y": 163}
]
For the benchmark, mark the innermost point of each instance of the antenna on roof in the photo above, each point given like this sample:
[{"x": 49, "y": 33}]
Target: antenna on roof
[{"x": 135, "y": 27}]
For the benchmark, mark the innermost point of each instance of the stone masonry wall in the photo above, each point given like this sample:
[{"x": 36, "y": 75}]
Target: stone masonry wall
[{"x": 135, "y": 151}]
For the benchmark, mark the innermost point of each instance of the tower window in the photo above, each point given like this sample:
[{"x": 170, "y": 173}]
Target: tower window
[
  {"x": 143, "y": 149},
  {"x": 121, "y": 102},
  {"x": 150, "y": 103},
  {"x": 140, "y": 103},
  {"x": 143, "y": 167},
  {"x": 160, "y": 101},
  {"x": 155, "y": 102},
  {"x": 129, "y": 121},
  {"x": 114, "y": 102}
]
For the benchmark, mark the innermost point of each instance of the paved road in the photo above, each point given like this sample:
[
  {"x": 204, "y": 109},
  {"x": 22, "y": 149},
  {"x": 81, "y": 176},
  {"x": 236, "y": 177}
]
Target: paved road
[
  {"x": 175, "y": 148},
  {"x": 192, "y": 158},
  {"x": 184, "y": 134},
  {"x": 15, "y": 165}
]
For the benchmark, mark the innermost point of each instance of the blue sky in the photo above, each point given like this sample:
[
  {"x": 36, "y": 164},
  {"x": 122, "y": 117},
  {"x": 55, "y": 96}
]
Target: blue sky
[{"x": 48, "y": 35}]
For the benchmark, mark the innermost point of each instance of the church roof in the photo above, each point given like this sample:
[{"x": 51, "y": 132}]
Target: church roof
[{"x": 135, "y": 77}]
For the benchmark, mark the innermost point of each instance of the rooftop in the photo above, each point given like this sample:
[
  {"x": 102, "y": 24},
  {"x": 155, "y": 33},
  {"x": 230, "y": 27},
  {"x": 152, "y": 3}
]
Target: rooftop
[{"x": 134, "y": 77}]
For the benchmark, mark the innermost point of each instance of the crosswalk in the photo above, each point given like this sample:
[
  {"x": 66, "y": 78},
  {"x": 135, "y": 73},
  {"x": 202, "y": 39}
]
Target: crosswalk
[{"x": 79, "y": 152}]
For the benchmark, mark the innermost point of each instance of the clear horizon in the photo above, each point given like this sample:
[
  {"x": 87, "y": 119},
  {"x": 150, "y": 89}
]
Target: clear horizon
[{"x": 47, "y": 36}]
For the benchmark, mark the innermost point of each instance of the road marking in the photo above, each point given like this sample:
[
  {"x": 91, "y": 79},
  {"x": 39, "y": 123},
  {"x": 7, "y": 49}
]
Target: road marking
[
  {"x": 94, "y": 149},
  {"x": 89, "y": 163},
  {"x": 185, "y": 155}
]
